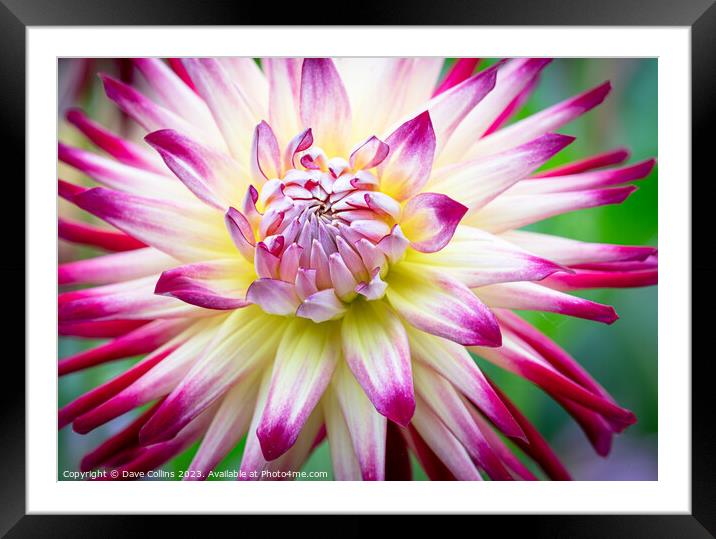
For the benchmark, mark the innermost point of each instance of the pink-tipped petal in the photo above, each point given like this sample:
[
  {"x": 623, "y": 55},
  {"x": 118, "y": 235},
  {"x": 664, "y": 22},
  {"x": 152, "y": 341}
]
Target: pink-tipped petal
[
  {"x": 274, "y": 296},
  {"x": 265, "y": 154},
  {"x": 369, "y": 154},
  {"x": 324, "y": 104},
  {"x": 365, "y": 426},
  {"x": 219, "y": 284},
  {"x": 534, "y": 297},
  {"x": 114, "y": 267},
  {"x": 375, "y": 346},
  {"x": 322, "y": 306},
  {"x": 441, "y": 305},
  {"x": 477, "y": 182},
  {"x": 407, "y": 168},
  {"x": 305, "y": 360},
  {"x": 460, "y": 71},
  {"x": 613, "y": 157},
  {"x": 121, "y": 149},
  {"x": 429, "y": 221},
  {"x": 211, "y": 175},
  {"x": 87, "y": 234}
]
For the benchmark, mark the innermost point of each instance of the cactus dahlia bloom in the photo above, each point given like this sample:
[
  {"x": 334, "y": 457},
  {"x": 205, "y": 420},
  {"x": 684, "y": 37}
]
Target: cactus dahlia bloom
[{"x": 311, "y": 249}]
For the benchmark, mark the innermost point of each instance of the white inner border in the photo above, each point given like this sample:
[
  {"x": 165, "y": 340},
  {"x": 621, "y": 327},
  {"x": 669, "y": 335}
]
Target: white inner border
[{"x": 671, "y": 493}]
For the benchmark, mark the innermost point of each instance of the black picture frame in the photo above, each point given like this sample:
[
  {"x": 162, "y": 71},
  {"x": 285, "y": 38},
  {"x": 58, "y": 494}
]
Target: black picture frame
[{"x": 699, "y": 15}]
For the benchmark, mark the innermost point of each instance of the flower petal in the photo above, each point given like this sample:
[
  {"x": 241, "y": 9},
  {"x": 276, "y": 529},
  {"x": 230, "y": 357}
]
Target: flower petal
[
  {"x": 284, "y": 78},
  {"x": 460, "y": 71},
  {"x": 478, "y": 258},
  {"x": 87, "y": 234},
  {"x": 612, "y": 157},
  {"x": 160, "y": 223},
  {"x": 446, "y": 403},
  {"x": 453, "y": 362},
  {"x": 444, "y": 443},
  {"x": 123, "y": 150},
  {"x": 510, "y": 212},
  {"x": 534, "y": 297},
  {"x": 407, "y": 168},
  {"x": 343, "y": 458},
  {"x": 322, "y": 306},
  {"x": 133, "y": 299},
  {"x": 324, "y": 104},
  {"x": 369, "y": 154},
  {"x": 570, "y": 252},
  {"x": 512, "y": 78},
  {"x": 441, "y": 305},
  {"x": 211, "y": 175},
  {"x": 226, "y": 102},
  {"x": 305, "y": 360},
  {"x": 429, "y": 221},
  {"x": 477, "y": 182},
  {"x": 140, "y": 341},
  {"x": 538, "y": 124},
  {"x": 114, "y": 267},
  {"x": 247, "y": 334},
  {"x": 365, "y": 425},
  {"x": 219, "y": 284},
  {"x": 265, "y": 154},
  {"x": 228, "y": 426},
  {"x": 274, "y": 296},
  {"x": 375, "y": 346}
]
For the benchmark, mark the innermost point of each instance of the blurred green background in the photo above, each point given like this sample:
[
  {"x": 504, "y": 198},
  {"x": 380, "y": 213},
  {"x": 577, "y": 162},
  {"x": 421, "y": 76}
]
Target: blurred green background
[{"x": 622, "y": 357}]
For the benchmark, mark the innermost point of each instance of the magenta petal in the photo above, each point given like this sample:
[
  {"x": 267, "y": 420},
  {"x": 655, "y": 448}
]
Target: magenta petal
[
  {"x": 441, "y": 305},
  {"x": 407, "y": 168},
  {"x": 305, "y": 360},
  {"x": 376, "y": 349},
  {"x": 324, "y": 104},
  {"x": 429, "y": 221},
  {"x": 265, "y": 153},
  {"x": 212, "y": 285},
  {"x": 460, "y": 70},
  {"x": 274, "y": 296},
  {"x": 369, "y": 154}
]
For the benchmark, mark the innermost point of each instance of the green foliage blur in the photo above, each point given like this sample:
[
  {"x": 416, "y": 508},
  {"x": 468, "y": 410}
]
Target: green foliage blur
[{"x": 622, "y": 357}]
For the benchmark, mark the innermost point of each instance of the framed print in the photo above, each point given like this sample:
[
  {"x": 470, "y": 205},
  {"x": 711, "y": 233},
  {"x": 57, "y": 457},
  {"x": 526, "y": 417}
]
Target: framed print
[{"x": 442, "y": 268}]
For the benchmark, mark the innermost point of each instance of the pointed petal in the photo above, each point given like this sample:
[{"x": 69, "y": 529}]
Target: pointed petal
[
  {"x": 123, "y": 150},
  {"x": 160, "y": 223},
  {"x": 219, "y": 284},
  {"x": 369, "y": 154},
  {"x": 265, "y": 154},
  {"x": 538, "y": 124},
  {"x": 375, "y": 346},
  {"x": 612, "y": 157},
  {"x": 343, "y": 458},
  {"x": 477, "y": 258},
  {"x": 322, "y": 306},
  {"x": 365, "y": 425},
  {"x": 429, "y": 221},
  {"x": 510, "y": 212},
  {"x": 324, "y": 104},
  {"x": 228, "y": 426},
  {"x": 305, "y": 360},
  {"x": 274, "y": 296},
  {"x": 454, "y": 363},
  {"x": 407, "y": 168},
  {"x": 133, "y": 299},
  {"x": 211, "y": 175},
  {"x": 477, "y": 182},
  {"x": 284, "y": 78},
  {"x": 534, "y": 297},
  {"x": 228, "y": 106},
  {"x": 140, "y": 341},
  {"x": 444, "y": 443},
  {"x": 87, "y": 234},
  {"x": 247, "y": 334},
  {"x": 441, "y": 305},
  {"x": 114, "y": 267},
  {"x": 460, "y": 71}
]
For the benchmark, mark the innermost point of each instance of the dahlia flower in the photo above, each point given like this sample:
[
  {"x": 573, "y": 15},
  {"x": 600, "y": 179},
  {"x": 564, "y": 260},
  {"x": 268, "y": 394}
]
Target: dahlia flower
[{"x": 312, "y": 249}]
